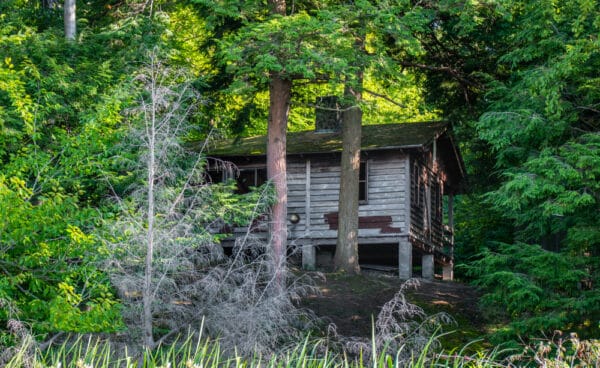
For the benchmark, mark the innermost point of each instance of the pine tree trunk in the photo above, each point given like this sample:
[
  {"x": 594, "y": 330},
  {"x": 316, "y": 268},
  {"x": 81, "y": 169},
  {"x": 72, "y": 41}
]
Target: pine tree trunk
[
  {"x": 280, "y": 92},
  {"x": 346, "y": 251},
  {"x": 70, "y": 20},
  {"x": 279, "y": 103}
]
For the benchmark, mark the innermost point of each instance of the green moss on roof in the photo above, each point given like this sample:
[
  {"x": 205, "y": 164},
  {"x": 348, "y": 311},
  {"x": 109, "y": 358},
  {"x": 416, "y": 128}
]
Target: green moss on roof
[{"x": 374, "y": 137}]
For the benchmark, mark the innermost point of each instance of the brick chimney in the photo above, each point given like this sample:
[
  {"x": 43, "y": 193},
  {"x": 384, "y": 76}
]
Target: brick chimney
[{"x": 328, "y": 114}]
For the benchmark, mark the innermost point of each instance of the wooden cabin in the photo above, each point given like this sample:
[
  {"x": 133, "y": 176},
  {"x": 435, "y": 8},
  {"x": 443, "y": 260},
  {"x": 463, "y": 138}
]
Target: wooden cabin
[{"x": 406, "y": 172}]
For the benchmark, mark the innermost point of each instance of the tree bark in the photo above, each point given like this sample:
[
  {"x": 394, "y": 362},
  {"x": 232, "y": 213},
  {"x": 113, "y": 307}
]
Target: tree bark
[
  {"x": 346, "y": 250},
  {"x": 280, "y": 92},
  {"x": 70, "y": 20}
]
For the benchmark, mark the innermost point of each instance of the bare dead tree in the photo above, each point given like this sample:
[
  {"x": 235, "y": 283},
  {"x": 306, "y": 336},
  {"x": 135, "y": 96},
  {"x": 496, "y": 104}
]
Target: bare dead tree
[
  {"x": 166, "y": 265},
  {"x": 158, "y": 217},
  {"x": 402, "y": 330}
]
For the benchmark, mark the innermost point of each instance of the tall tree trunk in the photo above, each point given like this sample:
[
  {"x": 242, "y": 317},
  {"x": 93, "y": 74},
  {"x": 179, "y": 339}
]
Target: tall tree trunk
[
  {"x": 279, "y": 103},
  {"x": 70, "y": 20},
  {"x": 280, "y": 92},
  {"x": 147, "y": 298},
  {"x": 346, "y": 251}
]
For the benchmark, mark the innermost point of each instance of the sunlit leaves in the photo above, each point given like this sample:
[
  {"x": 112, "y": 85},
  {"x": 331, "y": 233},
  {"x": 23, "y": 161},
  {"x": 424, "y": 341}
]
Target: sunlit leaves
[
  {"x": 295, "y": 46},
  {"x": 46, "y": 257}
]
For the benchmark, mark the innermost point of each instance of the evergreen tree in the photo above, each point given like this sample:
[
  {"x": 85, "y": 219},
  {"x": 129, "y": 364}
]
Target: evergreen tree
[{"x": 531, "y": 127}]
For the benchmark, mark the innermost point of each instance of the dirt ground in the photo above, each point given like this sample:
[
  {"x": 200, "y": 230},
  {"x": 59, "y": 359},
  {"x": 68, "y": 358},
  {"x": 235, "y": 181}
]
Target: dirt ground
[{"x": 352, "y": 302}]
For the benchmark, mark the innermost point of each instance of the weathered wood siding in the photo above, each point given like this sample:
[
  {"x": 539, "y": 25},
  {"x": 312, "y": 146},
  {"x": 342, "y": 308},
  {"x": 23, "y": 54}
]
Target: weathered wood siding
[
  {"x": 426, "y": 204},
  {"x": 383, "y": 215},
  {"x": 296, "y": 176}
]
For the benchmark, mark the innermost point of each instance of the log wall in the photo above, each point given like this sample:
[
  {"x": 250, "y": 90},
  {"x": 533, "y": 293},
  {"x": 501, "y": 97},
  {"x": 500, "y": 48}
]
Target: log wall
[{"x": 313, "y": 190}]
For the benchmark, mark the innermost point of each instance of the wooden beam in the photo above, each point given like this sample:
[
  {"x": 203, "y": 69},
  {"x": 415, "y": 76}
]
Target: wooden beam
[
  {"x": 407, "y": 193},
  {"x": 307, "y": 199}
]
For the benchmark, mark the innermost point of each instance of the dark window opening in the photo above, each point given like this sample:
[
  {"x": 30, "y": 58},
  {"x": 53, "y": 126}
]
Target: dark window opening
[
  {"x": 214, "y": 176},
  {"x": 363, "y": 184},
  {"x": 248, "y": 178},
  {"x": 245, "y": 178}
]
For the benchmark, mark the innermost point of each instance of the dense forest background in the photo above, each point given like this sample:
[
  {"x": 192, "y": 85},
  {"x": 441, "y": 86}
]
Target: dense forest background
[{"x": 518, "y": 79}]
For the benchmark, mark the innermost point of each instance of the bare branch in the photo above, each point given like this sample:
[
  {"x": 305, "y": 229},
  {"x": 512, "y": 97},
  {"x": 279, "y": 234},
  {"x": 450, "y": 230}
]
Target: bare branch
[{"x": 388, "y": 99}]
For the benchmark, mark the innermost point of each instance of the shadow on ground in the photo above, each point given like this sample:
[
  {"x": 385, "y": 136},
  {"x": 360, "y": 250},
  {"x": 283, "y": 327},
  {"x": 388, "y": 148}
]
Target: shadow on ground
[{"x": 353, "y": 302}]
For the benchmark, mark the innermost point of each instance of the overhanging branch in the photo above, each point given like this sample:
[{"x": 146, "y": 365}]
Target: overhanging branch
[{"x": 388, "y": 99}]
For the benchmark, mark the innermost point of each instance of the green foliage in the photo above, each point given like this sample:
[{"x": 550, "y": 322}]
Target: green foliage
[
  {"x": 535, "y": 290},
  {"x": 544, "y": 132},
  {"x": 315, "y": 45},
  {"x": 559, "y": 350},
  {"x": 47, "y": 263},
  {"x": 556, "y": 191},
  {"x": 60, "y": 116},
  {"x": 236, "y": 209},
  {"x": 527, "y": 71},
  {"x": 518, "y": 77},
  {"x": 291, "y": 46},
  {"x": 194, "y": 352}
]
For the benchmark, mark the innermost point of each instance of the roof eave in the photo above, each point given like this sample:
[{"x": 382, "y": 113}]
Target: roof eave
[{"x": 369, "y": 149}]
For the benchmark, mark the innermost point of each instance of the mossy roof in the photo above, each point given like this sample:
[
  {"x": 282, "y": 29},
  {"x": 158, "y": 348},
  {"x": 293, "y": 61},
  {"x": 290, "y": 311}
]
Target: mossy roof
[{"x": 374, "y": 137}]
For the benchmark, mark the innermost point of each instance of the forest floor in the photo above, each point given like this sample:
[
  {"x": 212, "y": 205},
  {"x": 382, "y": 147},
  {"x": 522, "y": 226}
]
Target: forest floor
[{"x": 353, "y": 302}]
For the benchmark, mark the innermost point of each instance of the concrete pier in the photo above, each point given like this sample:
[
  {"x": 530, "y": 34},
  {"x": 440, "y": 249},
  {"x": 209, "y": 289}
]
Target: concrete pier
[
  {"x": 309, "y": 259},
  {"x": 427, "y": 266},
  {"x": 405, "y": 259}
]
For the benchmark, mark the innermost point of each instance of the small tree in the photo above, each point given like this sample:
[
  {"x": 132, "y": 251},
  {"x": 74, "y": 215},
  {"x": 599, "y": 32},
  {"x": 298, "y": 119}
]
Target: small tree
[
  {"x": 153, "y": 241},
  {"x": 166, "y": 264}
]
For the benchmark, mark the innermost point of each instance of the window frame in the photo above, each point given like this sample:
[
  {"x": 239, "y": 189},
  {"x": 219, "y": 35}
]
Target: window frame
[
  {"x": 252, "y": 169},
  {"x": 364, "y": 181}
]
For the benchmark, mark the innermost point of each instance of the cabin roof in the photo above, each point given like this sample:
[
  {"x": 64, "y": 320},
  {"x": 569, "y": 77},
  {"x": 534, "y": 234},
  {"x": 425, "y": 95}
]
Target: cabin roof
[{"x": 374, "y": 137}]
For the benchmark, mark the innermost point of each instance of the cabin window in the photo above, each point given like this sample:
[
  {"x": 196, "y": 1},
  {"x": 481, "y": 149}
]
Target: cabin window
[
  {"x": 363, "y": 183},
  {"x": 214, "y": 176},
  {"x": 252, "y": 177},
  {"x": 245, "y": 178}
]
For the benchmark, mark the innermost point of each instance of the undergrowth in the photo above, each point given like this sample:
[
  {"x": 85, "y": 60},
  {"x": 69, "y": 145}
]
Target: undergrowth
[
  {"x": 403, "y": 336},
  {"x": 196, "y": 352}
]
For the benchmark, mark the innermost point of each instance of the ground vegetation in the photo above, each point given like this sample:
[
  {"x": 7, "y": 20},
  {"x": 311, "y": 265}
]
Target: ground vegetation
[{"x": 86, "y": 178}]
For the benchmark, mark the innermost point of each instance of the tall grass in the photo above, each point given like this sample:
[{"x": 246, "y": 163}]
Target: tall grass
[{"x": 195, "y": 352}]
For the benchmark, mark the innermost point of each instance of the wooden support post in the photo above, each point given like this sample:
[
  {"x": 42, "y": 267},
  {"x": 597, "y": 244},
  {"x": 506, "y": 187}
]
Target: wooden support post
[
  {"x": 405, "y": 259},
  {"x": 427, "y": 266},
  {"x": 309, "y": 256},
  {"x": 448, "y": 272},
  {"x": 309, "y": 259}
]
